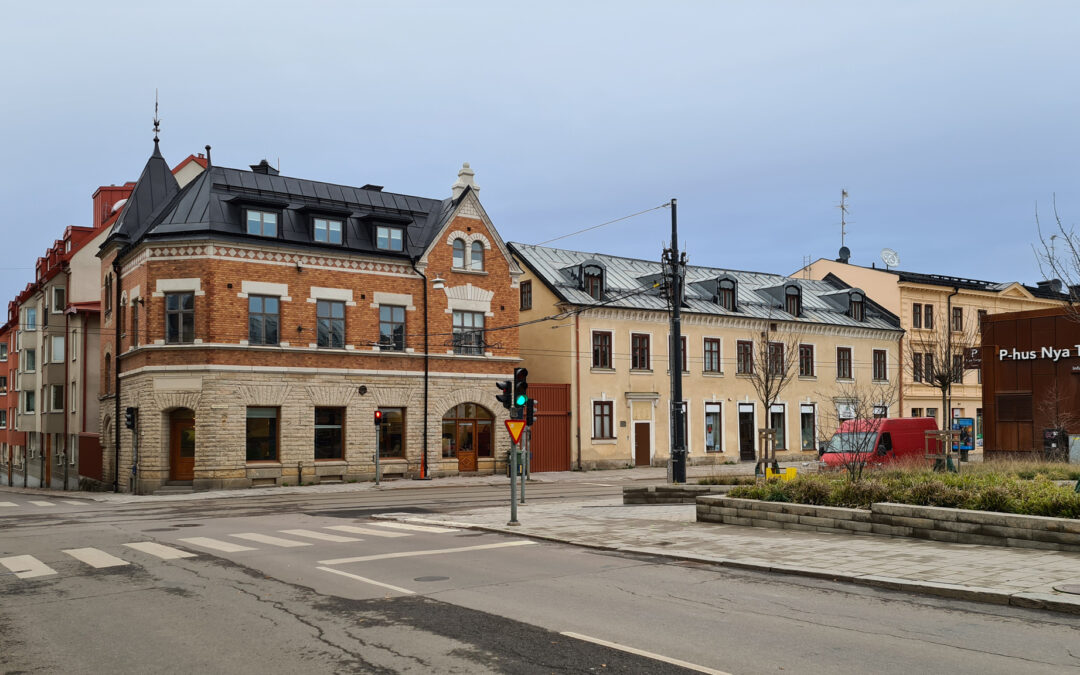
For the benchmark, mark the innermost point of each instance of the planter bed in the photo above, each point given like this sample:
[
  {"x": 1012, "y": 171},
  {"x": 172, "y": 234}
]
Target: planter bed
[
  {"x": 961, "y": 526},
  {"x": 670, "y": 494}
]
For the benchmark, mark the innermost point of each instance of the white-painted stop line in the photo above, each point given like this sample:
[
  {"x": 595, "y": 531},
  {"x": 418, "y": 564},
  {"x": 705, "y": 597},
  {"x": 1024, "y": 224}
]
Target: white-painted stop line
[
  {"x": 95, "y": 558},
  {"x": 267, "y": 539},
  {"x": 649, "y": 655},
  {"x": 27, "y": 566},
  {"x": 8, "y": 504},
  {"x": 160, "y": 551},
  {"x": 217, "y": 544},
  {"x": 321, "y": 536},
  {"x": 417, "y": 528}
]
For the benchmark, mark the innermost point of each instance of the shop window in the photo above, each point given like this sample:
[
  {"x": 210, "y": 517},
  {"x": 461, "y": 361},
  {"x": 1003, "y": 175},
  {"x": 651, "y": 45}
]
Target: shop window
[
  {"x": 392, "y": 432},
  {"x": 808, "y": 427},
  {"x": 713, "y": 428},
  {"x": 329, "y": 433},
  {"x": 262, "y": 434}
]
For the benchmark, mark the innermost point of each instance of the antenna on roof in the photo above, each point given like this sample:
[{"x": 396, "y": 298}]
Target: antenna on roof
[
  {"x": 843, "y": 215},
  {"x": 806, "y": 260},
  {"x": 157, "y": 122}
]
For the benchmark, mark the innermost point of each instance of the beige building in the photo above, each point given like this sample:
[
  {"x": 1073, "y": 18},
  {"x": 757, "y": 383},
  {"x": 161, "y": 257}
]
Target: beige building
[
  {"x": 928, "y": 305},
  {"x": 608, "y": 336}
]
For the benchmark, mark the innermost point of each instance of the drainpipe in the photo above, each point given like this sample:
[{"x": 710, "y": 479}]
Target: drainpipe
[
  {"x": 900, "y": 374},
  {"x": 577, "y": 385},
  {"x": 116, "y": 373},
  {"x": 427, "y": 366},
  {"x": 67, "y": 395}
]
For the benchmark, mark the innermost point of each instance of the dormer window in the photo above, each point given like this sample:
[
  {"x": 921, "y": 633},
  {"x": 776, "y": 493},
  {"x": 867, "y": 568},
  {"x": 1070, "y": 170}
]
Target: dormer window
[
  {"x": 856, "y": 309},
  {"x": 476, "y": 259},
  {"x": 328, "y": 231},
  {"x": 793, "y": 300},
  {"x": 459, "y": 254},
  {"x": 261, "y": 223},
  {"x": 592, "y": 281},
  {"x": 389, "y": 238},
  {"x": 725, "y": 293}
]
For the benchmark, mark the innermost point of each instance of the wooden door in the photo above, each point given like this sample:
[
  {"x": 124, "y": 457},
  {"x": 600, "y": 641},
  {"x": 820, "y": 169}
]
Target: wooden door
[
  {"x": 182, "y": 449},
  {"x": 466, "y": 446},
  {"x": 642, "y": 443},
  {"x": 746, "y": 436}
]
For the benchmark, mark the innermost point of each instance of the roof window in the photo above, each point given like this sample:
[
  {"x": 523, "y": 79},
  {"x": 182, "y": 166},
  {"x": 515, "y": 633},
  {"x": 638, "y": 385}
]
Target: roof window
[{"x": 389, "y": 238}]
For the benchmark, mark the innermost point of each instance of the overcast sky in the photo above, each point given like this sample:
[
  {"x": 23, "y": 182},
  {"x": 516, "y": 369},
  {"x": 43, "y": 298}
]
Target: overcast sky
[{"x": 947, "y": 122}]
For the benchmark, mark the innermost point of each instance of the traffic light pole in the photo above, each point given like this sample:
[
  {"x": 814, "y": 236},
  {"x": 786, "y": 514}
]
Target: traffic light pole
[{"x": 678, "y": 439}]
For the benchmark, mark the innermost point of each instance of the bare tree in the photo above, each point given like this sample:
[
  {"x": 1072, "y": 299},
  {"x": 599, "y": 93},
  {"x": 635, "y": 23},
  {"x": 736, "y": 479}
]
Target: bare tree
[
  {"x": 775, "y": 362},
  {"x": 850, "y": 425},
  {"x": 939, "y": 358},
  {"x": 1058, "y": 255}
]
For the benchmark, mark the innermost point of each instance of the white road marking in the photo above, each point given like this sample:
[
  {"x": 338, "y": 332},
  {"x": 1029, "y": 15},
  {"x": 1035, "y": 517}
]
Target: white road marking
[
  {"x": 364, "y": 530},
  {"x": 366, "y": 580},
  {"x": 95, "y": 558},
  {"x": 648, "y": 655},
  {"x": 267, "y": 539},
  {"x": 416, "y": 528},
  {"x": 411, "y": 554},
  {"x": 27, "y": 566},
  {"x": 42, "y": 503},
  {"x": 159, "y": 551},
  {"x": 598, "y": 484},
  {"x": 76, "y": 502},
  {"x": 322, "y": 536},
  {"x": 8, "y": 504},
  {"x": 217, "y": 544}
]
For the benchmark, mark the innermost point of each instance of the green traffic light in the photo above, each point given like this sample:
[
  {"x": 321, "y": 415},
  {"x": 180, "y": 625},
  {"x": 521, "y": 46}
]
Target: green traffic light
[{"x": 522, "y": 399}]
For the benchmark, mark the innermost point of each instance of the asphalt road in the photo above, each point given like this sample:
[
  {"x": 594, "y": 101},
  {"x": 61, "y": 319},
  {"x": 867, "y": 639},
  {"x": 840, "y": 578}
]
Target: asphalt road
[{"x": 311, "y": 583}]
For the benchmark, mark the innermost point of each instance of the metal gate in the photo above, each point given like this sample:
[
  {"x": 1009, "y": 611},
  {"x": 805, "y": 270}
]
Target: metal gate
[{"x": 551, "y": 431}]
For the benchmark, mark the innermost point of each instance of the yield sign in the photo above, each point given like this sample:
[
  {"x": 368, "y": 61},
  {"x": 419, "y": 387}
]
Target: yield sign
[{"x": 515, "y": 427}]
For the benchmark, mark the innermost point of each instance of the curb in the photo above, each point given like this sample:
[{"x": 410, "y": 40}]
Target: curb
[{"x": 1045, "y": 601}]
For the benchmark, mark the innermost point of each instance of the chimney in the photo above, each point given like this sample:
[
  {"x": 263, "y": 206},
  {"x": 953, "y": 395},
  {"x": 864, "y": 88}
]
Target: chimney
[
  {"x": 464, "y": 180},
  {"x": 265, "y": 168},
  {"x": 1050, "y": 285},
  {"x": 105, "y": 198}
]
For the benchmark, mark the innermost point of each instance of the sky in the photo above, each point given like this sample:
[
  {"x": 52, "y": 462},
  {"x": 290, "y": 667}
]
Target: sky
[{"x": 949, "y": 123}]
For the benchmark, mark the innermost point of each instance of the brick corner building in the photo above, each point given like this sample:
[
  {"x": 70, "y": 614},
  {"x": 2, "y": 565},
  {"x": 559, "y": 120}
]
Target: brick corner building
[{"x": 256, "y": 322}]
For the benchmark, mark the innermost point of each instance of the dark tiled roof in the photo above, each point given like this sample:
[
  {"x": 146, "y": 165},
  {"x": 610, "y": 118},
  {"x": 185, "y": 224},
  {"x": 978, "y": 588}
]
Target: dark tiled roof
[
  {"x": 629, "y": 284},
  {"x": 1039, "y": 291},
  {"x": 214, "y": 203},
  {"x": 155, "y": 187}
]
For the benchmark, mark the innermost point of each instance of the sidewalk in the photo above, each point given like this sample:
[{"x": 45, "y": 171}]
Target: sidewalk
[
  {"x": 992, "y": 574},
  {"x": 652, "y": 474}
]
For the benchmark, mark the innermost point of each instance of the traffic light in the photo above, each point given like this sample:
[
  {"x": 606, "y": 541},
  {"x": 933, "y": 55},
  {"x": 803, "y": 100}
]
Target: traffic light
[
  {"x": 521, "y": 385},
  {"x": 378, "y": 417},
  {"x": 507, "y": 396},
  {"x": 530, "y": 412},
  {"x": 129, "y": 417}
]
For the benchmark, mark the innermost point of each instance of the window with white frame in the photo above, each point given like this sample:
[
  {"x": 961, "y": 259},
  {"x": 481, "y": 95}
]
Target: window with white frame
[
  {"x": 3, "y": 351},
  {"x": 262, "y": 223},
  {"x": 29, "y": 402},
  {"x": 476, "y": 256},
  {"x": 713, "y": 428},
  {"x": 3, "y": 419},
  {"x": 603, "y": 419},
  {"x": 59, "y": 301},
  {"x": 56, "y": 346},
  {"x": 808, "y": 426},
  {"x": 328, "y": 231},
  {"x": 29, "y": 360},
  {"x": 778, "y": 423},
  {"x": 389, "y": 238},
  {"x": 56, "y": 404}
]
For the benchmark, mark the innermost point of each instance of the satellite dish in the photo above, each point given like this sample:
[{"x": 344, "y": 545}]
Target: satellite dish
[{"x": 890, "y": 258}]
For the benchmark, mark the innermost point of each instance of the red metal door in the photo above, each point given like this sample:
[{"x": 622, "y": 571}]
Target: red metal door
[{"x": 551, "y": 430}]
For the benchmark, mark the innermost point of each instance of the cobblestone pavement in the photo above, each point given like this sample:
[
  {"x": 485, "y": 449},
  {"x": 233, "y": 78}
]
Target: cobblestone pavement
[{"x": 1023, "y": 577}]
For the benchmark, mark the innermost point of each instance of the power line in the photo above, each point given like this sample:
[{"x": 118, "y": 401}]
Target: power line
[{"x": 594, "y": 227}]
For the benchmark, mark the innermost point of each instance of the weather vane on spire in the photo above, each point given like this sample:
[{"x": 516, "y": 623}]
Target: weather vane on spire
[{"x": 157, "y": 122}]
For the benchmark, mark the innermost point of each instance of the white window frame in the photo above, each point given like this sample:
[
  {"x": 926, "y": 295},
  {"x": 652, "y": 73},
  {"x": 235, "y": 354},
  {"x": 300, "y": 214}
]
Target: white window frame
[
  {"x": 52, "y": 397},
  {"x": 768, "y": 422},
  {"x": 719, "y": 356},
  {"x": 719, "y": 409},
  {"x": 614, "y": 438},
  {"x": 53, "y": 358},
  {"x": 58, "y": 308}
]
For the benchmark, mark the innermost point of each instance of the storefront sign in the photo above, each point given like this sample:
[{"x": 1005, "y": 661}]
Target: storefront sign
[{"x": 1052, "y": 353}]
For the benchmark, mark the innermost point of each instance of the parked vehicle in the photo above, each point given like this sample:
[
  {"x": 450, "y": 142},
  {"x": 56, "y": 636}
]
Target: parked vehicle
[{"x": 879, "y": 441}]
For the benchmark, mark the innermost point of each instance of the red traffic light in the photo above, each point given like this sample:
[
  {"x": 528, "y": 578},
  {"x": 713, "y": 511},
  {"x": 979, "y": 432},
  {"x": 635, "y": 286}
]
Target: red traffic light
[{"x": 378, "y": 417}]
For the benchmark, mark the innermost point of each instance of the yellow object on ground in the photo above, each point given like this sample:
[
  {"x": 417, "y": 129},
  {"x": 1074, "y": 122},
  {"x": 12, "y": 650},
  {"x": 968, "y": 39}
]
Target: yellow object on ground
[{"x": 782, "y": 474}]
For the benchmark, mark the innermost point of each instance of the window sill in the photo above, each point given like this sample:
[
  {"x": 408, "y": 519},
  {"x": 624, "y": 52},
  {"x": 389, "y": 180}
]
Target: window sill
[
  {"x": 712, "y": 373},
  {"x": 264, "y": 463},
  {"x": 745, "y": 376},
  {"x": 597, "y": 369},
  {"x": 886, "y": 382},
  {"x": 460, "y": 270},
  {"x": 845, "y": 379},
  {"x": 808, "y": 378},
  {"x": 640, "y": 371},
  {"x": 331, "y": 462},
  {"x": 604, "y": 441}
]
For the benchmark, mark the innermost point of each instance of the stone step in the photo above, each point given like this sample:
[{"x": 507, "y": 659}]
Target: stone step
[{"x": 174, "y": 490}]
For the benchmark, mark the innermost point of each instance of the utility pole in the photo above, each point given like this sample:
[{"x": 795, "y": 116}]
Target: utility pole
[{"x": 674, "y": 262}]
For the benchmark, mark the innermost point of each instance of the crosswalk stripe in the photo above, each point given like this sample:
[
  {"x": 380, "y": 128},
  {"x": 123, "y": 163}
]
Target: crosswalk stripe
[
  {"x": 365, "y": 530},
  {"x": 160, "y": 551},
  {"x": 76, "y": 502},
  {"x": 217, "y": 544},
  {"x": 95, "y": 558},
  {"x": 416, "y": 528},
  {"x": 267, "y": 539},
  {"x": 8, "y": 504},
  {"x": 42, "y": 503},
  {"x": 322, "y": 536},
  {"x": 27, "y": 566}
]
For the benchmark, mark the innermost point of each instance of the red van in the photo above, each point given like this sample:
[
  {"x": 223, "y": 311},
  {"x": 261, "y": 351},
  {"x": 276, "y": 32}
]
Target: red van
[{"x": 879, "y": 441}]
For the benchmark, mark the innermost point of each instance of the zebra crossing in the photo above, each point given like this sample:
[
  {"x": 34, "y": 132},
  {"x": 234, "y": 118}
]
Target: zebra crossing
[
  {"x": 44, "y": 503},
  {"x": 30, "y": 567}
]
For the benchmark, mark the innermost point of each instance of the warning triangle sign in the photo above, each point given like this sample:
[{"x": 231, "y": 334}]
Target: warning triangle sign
[{"x": 515, "y": 427}]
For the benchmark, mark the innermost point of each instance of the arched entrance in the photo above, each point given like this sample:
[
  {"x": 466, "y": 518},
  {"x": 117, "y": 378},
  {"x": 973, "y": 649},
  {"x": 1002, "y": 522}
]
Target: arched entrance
[
  {"x": 467, "y": 434},
  {"x": 182, "y": 444}
]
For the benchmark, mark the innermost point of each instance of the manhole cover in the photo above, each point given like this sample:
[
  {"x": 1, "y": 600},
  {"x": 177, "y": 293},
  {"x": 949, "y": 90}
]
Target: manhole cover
[
  {"x": 431, "y": 578},
  {"x": 1068, "y": 588}
]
